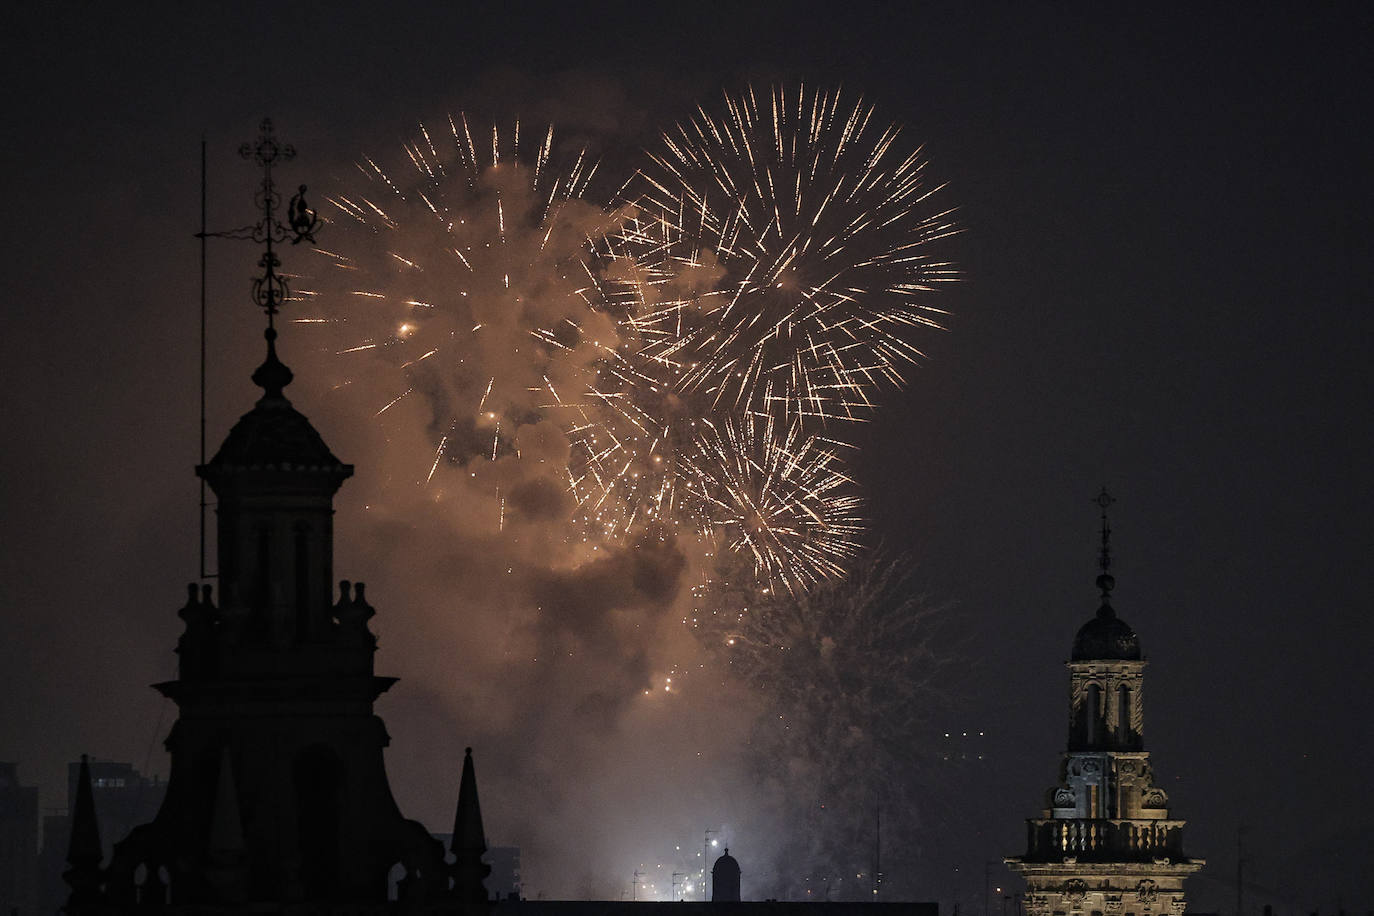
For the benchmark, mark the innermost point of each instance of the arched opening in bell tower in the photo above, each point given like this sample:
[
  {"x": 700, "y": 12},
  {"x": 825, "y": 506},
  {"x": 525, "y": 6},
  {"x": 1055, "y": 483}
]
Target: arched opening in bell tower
[
  {"x": 317, "y": 773},
  {"x": 1123, "y": 715},
  {"x": 1092, "y": 715}
]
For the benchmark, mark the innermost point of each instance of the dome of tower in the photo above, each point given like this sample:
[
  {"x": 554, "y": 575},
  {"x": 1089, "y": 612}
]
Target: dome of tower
[
  {"x": 1106, "y": 636},
  {"x": 274, "y": 435}
]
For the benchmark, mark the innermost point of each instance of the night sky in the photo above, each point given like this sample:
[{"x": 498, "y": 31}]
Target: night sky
[{"x": 1166, "y": 262}]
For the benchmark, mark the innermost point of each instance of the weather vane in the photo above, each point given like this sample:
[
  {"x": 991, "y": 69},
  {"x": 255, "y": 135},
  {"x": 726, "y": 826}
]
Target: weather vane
[
  {"x": 1104, "y": 560},
  {"x": 271, "y": 289}
]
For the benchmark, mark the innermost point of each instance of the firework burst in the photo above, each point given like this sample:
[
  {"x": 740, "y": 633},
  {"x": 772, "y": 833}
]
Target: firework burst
[
  {"x": 679, "y": 359},
  {"x": 783, "y": 252},
  {"x": 655, "y": 460},
  {"x": 777, "y": 498},
  {"x": 463, "y": 271}
]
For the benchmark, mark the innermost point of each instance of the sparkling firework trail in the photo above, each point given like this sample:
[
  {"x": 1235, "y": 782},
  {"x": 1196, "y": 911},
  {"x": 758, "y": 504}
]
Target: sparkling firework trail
[
  {"x": 783, "y": 249},
  {"x": 778, "y": 499},
  {"x": 464, "y": 272},
  {"x": 777, "y": 263},
  {"x": 690, "y": 349},
  {"x": 681, "y": 370}
]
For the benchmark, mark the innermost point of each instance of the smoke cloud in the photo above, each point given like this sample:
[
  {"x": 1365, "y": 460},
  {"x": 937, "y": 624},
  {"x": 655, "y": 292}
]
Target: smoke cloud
[{"x": 452, "y": 308}]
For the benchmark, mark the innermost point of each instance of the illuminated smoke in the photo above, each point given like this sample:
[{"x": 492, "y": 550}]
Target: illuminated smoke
[
  {"x": 851, "y": 673},
  {"x": 463, "y": 274},
  {"x": 555, "y": 467}
]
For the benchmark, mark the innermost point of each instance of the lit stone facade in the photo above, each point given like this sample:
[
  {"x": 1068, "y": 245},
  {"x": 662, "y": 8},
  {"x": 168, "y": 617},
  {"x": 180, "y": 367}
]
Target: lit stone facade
[{"x": 1105, "y": 844}]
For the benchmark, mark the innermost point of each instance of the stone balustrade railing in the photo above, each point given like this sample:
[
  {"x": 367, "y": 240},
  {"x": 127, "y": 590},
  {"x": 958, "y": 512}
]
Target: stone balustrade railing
[{"x": 1104, "y": 839}]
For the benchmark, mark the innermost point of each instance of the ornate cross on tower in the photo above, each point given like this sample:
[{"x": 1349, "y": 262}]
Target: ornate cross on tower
[{"x": 270, "y": 290}]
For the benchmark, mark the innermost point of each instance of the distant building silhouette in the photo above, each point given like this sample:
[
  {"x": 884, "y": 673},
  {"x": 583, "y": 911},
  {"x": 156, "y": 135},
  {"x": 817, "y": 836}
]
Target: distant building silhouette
[
  {"x": 123, "y": 798},
  {"x": 1105, "y": 844},
  {"x": 18, "y": 844},
  {"x": 504, "y": 881}
]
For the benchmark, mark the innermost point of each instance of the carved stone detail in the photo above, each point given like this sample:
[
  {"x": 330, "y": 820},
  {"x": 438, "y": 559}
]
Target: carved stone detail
[{"x": 1122, "y": 855}]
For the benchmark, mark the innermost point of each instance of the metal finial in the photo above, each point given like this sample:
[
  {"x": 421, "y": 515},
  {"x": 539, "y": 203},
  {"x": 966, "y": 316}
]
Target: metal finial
[
  {"x": 1104, "y": 560},
  {"x": 270, "y": 289},
  {"x": 267, "y": 149}
]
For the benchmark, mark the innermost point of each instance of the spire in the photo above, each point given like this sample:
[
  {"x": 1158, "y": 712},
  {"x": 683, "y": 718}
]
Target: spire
[
  {"x": 469, "y": 842},
  {"x": 83, "y": 853},
  {"x": 1104, "y": 559}
]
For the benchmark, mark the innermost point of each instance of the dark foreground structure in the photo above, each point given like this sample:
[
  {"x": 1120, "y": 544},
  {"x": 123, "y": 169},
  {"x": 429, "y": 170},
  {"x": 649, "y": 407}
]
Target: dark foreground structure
[{"x": 277, "y": 789}]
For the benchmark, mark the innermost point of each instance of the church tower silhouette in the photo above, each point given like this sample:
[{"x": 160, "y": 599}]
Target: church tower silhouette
[
  {"x": 1106, "y": 844},
  {"x": 278, "y": 793}
]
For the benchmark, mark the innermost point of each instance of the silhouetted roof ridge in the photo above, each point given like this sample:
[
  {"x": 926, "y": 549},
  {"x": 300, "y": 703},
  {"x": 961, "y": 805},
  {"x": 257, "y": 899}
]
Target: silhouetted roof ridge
[{"x": 274, "y": 435}]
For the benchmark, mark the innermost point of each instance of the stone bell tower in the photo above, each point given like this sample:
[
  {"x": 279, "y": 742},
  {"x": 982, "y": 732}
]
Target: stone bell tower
[{"x": 1106, "y": 844}]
